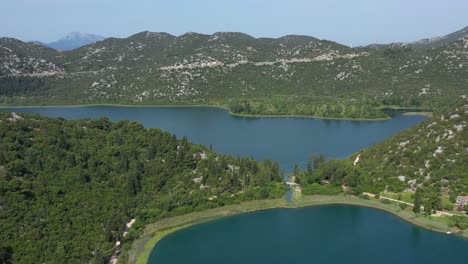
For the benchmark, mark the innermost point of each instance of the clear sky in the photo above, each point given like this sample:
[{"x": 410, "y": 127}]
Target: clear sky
[{"x": 354, "y": 22}]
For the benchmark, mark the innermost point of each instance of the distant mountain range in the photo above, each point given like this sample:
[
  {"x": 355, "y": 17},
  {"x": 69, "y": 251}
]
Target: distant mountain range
[
  {"x": 76, "y": 40},
  {"x": 294, "y": 74},
  {"x": 72, "y": 41}
]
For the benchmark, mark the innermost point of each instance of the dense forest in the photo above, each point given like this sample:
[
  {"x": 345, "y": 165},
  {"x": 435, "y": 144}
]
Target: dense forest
[
  {"x": 328, "y": 177},
  {"x": 307, "y": 106},
  {"x": 67, "y": 188}
]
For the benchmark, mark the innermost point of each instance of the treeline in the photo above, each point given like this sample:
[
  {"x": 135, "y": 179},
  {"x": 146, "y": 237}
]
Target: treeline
[
  {"x": 14, "y": 86},
  {"x": 328, "y": 177},
  {"x": 327, "y": 109},
  {"x": 334, "y": 177},
  {"x": 67, "y": 188}
]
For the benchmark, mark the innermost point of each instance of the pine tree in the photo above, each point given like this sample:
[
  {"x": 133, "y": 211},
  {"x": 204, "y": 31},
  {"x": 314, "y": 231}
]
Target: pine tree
[
  {"x": 297, "y": 170},
  {"x": 428, "y": 207},
  {"x": 309, "y": 166},
  {"x": 318, "y": 160},
  {"x": 417, "y": 201}
]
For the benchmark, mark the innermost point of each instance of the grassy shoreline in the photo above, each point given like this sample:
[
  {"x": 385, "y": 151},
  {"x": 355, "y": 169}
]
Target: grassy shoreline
[
  {"x": 307, "y": 116},
  {"x": 199, "y": 105},
  {"x": 428, "y": 114},
  {"x": 142, "y": 247}
]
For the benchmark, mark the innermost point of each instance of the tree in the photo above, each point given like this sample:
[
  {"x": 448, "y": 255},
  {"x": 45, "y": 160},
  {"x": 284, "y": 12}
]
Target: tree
[
  {"x": 309, "y": 166},
  {"x": 318, "y": 160},
  {"x": 428, "y": 207},
  {"x": 275, "y": 171},
  {"x": 6, "y": 255},
  {"x": 297, "y": 170},
  {"x": 417, "y": 201},
  {"x": 98, "y": 258},
  {"x": 133, "y": 183}
]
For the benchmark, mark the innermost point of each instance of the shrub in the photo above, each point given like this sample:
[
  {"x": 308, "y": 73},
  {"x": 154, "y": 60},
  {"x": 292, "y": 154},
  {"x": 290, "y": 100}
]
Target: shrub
[
  {"x": 385, "y": 201},
  {"x": 402, "y": 206},
  {"x": 364, "y": 196},
  {"x": 316, "y": 188}
]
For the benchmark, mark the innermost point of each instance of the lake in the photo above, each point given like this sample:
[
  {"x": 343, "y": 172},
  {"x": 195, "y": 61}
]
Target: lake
[
  {"x": 322, "y": 234},
  {"x": 286, "y": 140}
]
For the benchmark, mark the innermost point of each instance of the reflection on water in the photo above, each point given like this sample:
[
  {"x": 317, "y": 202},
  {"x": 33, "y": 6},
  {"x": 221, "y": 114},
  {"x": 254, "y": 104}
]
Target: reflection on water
[{"x": 286, "y": 140}]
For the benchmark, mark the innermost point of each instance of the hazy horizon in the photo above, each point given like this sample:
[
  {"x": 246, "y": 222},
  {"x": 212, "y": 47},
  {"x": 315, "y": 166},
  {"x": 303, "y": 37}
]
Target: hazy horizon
[{"x": 358, "y": 22}]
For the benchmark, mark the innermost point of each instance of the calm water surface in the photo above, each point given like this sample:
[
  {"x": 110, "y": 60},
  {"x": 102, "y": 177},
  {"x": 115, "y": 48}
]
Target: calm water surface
[
  {"x": 286, "y": 140},
  {"x": 323, "y": 234}
]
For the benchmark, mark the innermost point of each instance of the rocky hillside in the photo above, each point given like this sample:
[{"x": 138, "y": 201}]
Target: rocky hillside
[
  {"x": 432, "y": 156},
  {"x": 437, "y": 41},
  {"x": 289, "y": 75},
  {"x": 20, "y": 59}
]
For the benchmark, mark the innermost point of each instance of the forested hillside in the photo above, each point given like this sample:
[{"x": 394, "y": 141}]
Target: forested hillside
[
  {"x": 67, "y": 188},
  {"x": 432, "y": 156},
  {"x": 290, "y": 75}
]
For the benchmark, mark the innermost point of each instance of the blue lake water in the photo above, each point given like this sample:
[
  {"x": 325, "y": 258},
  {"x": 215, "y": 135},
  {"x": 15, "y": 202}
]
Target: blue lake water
[
  {"x": 286, "y": 140},
  {"x": 322, "y": 234}
]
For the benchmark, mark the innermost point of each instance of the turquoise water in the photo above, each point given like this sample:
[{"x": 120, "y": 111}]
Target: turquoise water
[
  {"x": 286, "y": 140},
  {"x": 321, "y": 234},
  {"x": 324, "y": 234}
]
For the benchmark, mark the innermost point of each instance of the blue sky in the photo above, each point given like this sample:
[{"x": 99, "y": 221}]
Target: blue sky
[{"x": 354, "y": 22}]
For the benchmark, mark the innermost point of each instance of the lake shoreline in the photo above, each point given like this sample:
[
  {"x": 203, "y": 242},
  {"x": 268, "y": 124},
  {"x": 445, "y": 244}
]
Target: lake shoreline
[
  {"x": 199, "y": 105},
  {"x": 428, "y": 114},
  {"x": 153, "y": 233}
]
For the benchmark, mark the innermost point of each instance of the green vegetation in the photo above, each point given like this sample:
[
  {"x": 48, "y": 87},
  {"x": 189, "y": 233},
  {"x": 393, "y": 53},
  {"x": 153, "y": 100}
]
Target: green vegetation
[
  {"x": 417, "y": 201},
  {"x": 425, "y": 166},
  {"x": 67, "y": 188},
  {"x": 308, "y": 106},
  {"x": 317, "y": 189},
  {"x": 328, "y": 178},
  {"x": 293, "y": 75},
  {"x": 431, "y": 157}
]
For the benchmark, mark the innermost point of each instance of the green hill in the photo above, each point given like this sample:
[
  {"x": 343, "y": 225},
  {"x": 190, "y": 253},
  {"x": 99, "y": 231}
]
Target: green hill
[
  {"x": 289, "y": 75},
  {"x": 67, "y": 188},
  {"x": 426, "y": 165},
  {"x": 432, "y": 156}
]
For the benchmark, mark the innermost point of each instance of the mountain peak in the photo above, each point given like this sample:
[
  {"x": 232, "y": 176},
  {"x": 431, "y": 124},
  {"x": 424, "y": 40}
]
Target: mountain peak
[
  {"x": 72, "y": 41},
  {"x": 81, "y": 35}
]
